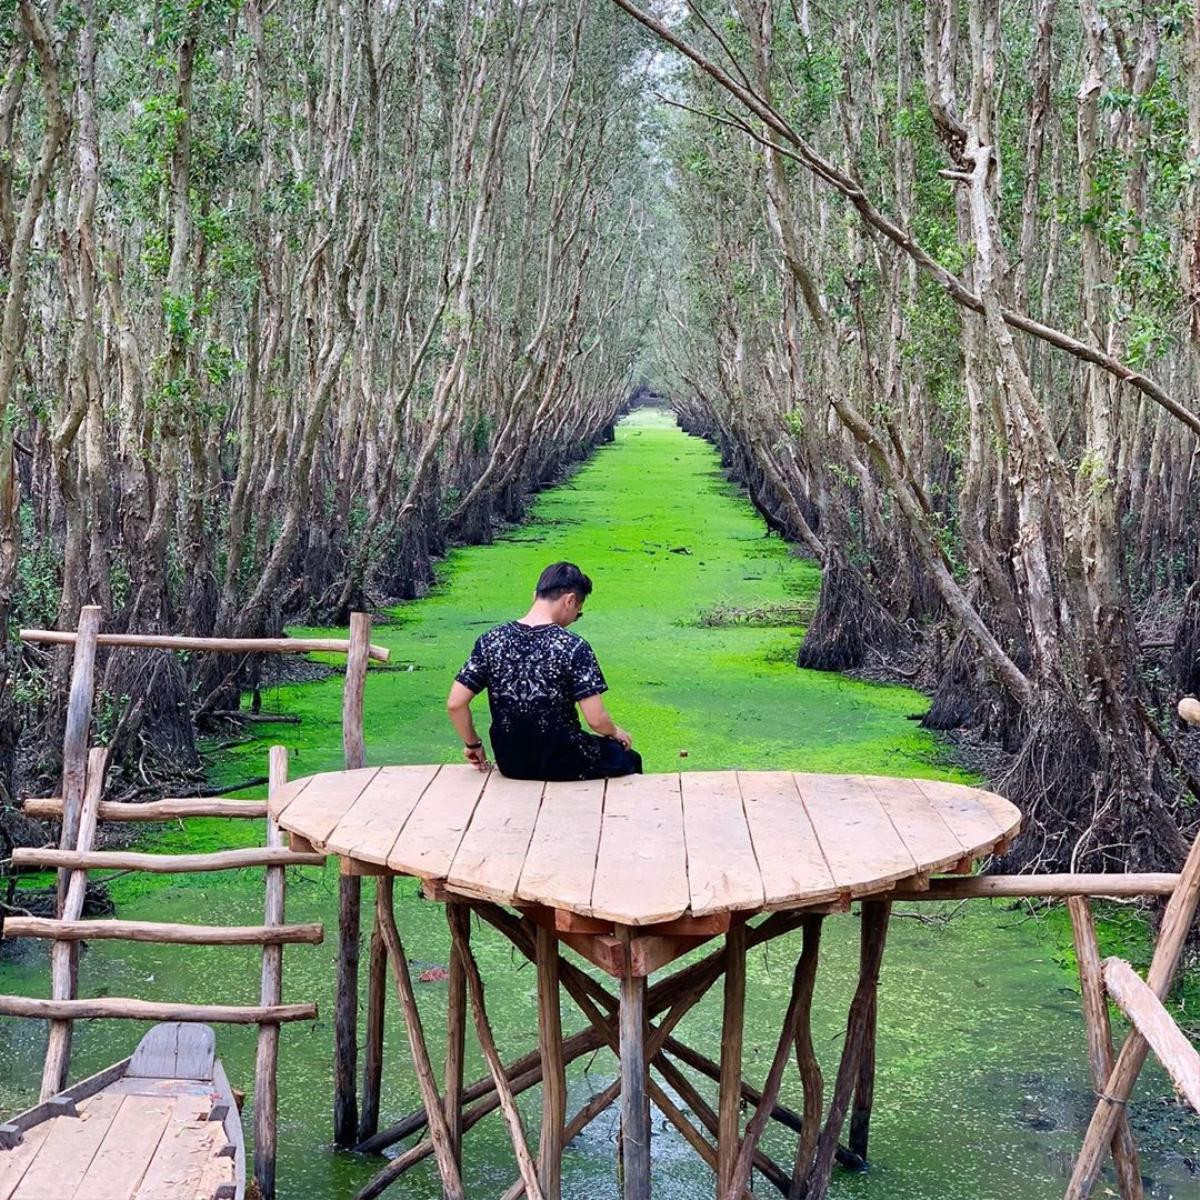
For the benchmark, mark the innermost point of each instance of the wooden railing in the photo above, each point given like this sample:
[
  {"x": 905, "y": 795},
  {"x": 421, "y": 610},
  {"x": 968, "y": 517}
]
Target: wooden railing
[{"x": 80, "y": 808}]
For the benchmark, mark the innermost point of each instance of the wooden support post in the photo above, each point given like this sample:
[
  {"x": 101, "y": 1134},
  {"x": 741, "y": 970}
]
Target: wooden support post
[
  {"x": 554, "y": 1074},
  {"x": 730, "y": 1093},
  {"x": 1172, "y": 935},
  {"x": 875, "y": 914},
  {"x": 864, "y": 1087},
  {"x": 63, "y": 954},
  {"x": 75, "y": 736},
  {"x": 439, "y": 1134},
  {"x": 266, "y": 1066},
  {"x": 1099, "y": 1041},
  {"x": 345, "y": 1062},
  {"x": 460, "y": 929},
  {"x": 368, "y": 1113},
  {"x": 456, "y": 1029},
  {"x": 635, "y": 1101},
  {"x": 806, "y": 1060}
]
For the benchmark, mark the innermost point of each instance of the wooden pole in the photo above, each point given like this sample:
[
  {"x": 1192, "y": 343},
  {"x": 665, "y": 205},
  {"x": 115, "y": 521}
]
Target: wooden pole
[
  {"x": 155, "y": 641},
  {"x": 864, "y": 1087},
  {"x": 1172, "y": 935},
  {"x": 635, "y": 1101},
  {"x": 806, "y": 1061},
  {"x": 875, "y": 915},
  {"x": 133, "y": 1009},
  {"x": 345, "y": 1021},
  {"x": 162, "y": 932},
  {"x": 1099, "y": 1040},
  {"x": 460, "y": 928},
  {"x": 166, "y": 864},
  {"x": 63, "y": 954},
  {"x": 554, "y": 1074},
  {"x": 730, "y": 1089},
  {"x": 456, "y": 1028},
  {"x": 439, "y": 1134},
  {"x": 266, "y": 1066},
  {"x": 368, "y": 1116},
  {"x": 75, "y": 737}
]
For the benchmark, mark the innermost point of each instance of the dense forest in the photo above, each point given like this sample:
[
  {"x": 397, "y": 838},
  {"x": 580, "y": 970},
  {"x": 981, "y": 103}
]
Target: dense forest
[{"x": 298, "y": 294}]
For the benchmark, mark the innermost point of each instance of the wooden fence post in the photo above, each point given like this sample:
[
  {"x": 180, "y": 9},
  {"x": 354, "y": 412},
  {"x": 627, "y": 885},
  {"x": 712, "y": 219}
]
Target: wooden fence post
[
  {"x": 345, "y": 1062},
  {"x": 75, "y": 734},
  {"x": 64, "y": 954},
  {"x": 266, "y": 1095}
]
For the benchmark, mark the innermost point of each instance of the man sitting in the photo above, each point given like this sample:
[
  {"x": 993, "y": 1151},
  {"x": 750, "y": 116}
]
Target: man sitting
[{"x": 535, "y": 673}]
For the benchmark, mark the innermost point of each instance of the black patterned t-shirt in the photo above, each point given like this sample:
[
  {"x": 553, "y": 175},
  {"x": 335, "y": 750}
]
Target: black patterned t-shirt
[{"x": 534, "y": 676}]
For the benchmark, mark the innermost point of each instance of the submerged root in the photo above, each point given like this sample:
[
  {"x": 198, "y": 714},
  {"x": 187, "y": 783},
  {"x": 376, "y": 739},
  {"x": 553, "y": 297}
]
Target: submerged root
[{"x": 850, "y": 623}]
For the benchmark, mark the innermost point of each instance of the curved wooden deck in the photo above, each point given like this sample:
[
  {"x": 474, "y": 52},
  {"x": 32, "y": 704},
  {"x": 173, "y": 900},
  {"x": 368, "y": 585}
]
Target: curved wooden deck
[{"x": 647, "y": 849}]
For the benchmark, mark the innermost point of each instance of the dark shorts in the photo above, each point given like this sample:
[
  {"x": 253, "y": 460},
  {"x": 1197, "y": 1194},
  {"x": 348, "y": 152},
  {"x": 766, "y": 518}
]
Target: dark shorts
[{"x": 585, "y": 756}]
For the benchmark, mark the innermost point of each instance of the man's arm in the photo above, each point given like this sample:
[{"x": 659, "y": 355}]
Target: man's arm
[
  {"x": 597, "y": 717},
  {"x": 458, "y": 705}
]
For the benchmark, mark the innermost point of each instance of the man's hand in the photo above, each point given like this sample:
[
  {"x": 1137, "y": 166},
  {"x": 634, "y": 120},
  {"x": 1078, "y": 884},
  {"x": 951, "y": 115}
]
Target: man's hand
[
  {"x": 622, "y": 736},
  {"x": 477, "y": 756}
]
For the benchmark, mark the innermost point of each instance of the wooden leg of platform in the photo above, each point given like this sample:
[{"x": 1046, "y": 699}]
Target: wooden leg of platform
[
  {"x": 864, "y": 1087},
  {"x": 730, "y": 1094},
  {"x": 368, "y": 1116},
  {"x": 554, "y": 1076},
  {"x": 1099, "y": 1041},
  {"x": 345, "y": 1017},
  {"x": 806, "y": 1059},
  {"x": 875, "y": 914},
  {"x": 456, "y": 1028},
  {"x": 635, "y": 1101},
  {"x": 460, "y": 928},
  {"x": 438, "y": 1132}
]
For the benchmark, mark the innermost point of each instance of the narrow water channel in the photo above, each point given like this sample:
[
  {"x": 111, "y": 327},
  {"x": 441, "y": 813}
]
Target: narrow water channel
[{"x": 982, "y": 1089}]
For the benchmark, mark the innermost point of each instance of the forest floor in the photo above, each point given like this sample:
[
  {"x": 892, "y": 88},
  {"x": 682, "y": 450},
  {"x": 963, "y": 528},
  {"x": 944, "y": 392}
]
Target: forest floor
[{"x": 695, "y": 618}]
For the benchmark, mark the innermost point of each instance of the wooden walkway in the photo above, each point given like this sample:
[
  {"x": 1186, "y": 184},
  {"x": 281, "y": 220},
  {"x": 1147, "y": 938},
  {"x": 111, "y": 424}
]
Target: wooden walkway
[{"x": 648, "y": 849}]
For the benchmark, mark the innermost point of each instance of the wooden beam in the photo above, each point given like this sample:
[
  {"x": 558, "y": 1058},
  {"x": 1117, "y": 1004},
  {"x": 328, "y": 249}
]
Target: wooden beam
[
  {"x": 63, "y": 960},
  {"x": 981, "y": 886},
  {"x": 729, "y": 1104},
  {"x": 456, "y": 1028},
  {"x": 1099, "y": 1041},
  {"x": 372, "y": 1080},
  {"x": 120, "y": 1007},
  {"x": 154, "y": 641},
  {"x": 1148, "y": 1016},
  {"x": 172, "y": 809},
  {"x": 635, "y": 1101},
  {"x": 165, "y": 864},
  {"x": 163, "y": 932},
  {"x": 266, "y": 1089},
  {"x": 554, "y": 1075}
]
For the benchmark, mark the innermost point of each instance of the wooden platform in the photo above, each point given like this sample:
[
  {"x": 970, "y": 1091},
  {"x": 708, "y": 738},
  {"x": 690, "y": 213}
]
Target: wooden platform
[
  {"x": 158, "y": 1126},
  {"x": 648, "y": 849}
]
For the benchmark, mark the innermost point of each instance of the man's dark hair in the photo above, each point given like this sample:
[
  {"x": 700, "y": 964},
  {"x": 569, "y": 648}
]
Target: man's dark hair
[{"x": 562, "y": 577}]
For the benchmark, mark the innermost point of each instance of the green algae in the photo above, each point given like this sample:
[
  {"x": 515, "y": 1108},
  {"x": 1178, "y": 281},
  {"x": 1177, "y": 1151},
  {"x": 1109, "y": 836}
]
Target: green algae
[{"x": 982, "y": 1088}]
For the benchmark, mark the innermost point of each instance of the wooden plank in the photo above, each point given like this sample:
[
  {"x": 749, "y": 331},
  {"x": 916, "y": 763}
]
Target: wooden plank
[
  {"x": 641, "y": 866},
  {"x": 278, "y": 802},
  {"x": 69, "y": 1149},
  {"x": 15, "y": 1163},
  {"x": 859, "y": 841},
  {"x": 722, "y": 871},
  {"x": 162, "y": 932},
  {"x": 369, "y": 827},
  {"x": 1148, "y": 1016},
  {"x": 156, "y": 810},
  {"x": 155, "y": 1055},
  {"x": 790, "y": 859},
  {"x": 918, "y": 820},
  {"x": 196, "y": 1054},
  {"x": 188, "y": 1145},
  {"x": 315, "y": 812},
  {"x": 129, "y": 1145},
  {"x": 492, "y": 852},
  {"x": 973, "y": 822},
  {"x": 561, "y": 861},
  {"x": 430, "y": 838}
]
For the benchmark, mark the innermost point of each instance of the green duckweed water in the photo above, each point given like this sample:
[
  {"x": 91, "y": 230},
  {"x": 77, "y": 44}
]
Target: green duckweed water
[{"x": 982, "y": 1088}]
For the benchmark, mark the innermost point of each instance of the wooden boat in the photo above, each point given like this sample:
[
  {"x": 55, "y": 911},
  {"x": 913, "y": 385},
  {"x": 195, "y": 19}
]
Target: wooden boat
[{"x": 161, "y": 1125}]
